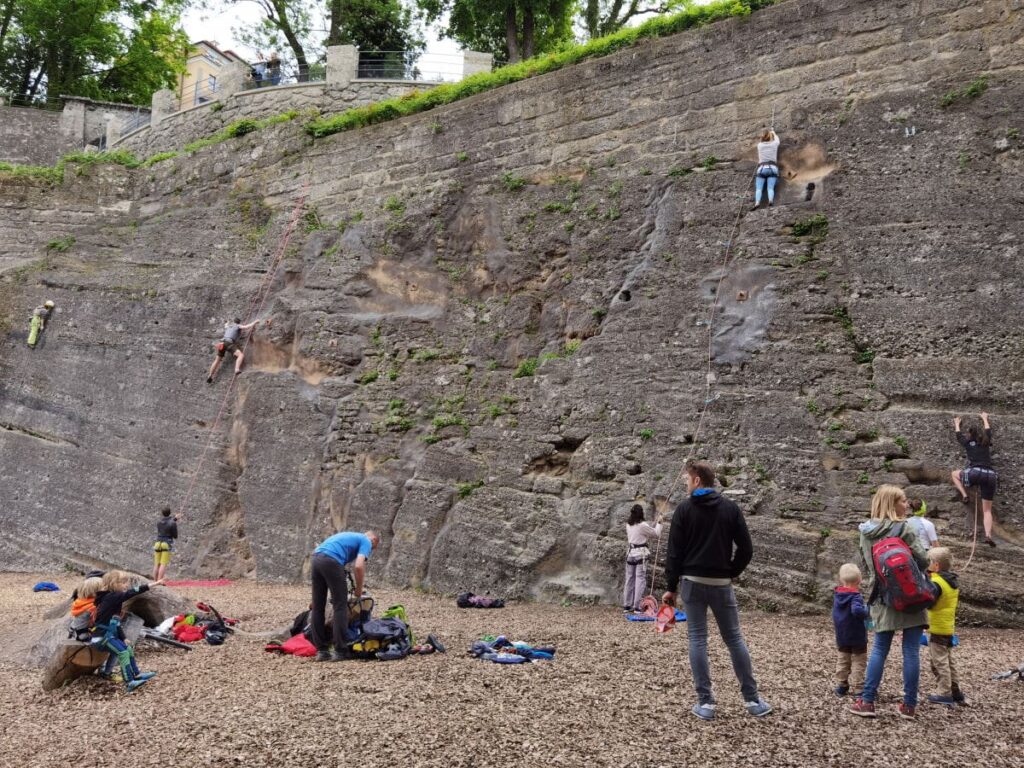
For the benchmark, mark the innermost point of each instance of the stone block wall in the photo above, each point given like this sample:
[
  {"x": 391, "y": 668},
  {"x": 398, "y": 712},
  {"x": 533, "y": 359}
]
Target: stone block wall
[
  {"x": 575, "y": 221},
  {"x": 32, "y": 136}
]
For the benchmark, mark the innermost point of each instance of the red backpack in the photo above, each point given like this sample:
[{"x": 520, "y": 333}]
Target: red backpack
[{"x": 899, "y": 582}]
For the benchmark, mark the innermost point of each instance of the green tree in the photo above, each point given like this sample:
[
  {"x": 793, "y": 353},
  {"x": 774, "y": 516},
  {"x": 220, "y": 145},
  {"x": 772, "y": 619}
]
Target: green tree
[
  {"x": 602, "y": 17},
  {"x": 512, "y": 30},
  {"x": 118, "y": 50}
]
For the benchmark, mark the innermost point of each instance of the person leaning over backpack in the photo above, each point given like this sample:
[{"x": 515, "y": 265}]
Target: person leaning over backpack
[
  {"x": 327, "y": 571},
  {"x": 888, "y": 520},
  {"x": 166, "y": 533}
]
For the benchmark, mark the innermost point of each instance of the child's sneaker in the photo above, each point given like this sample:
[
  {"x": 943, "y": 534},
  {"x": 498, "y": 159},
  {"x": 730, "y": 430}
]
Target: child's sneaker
[
  {"x": 842, "y": 690},
  {"x": 136, "y": 683},
  {"x": 908, "y": 712},
  {"x": 145, "y": 676},
  {"x": 935, "y": 698},
  {"x": 863, "y": 708},
  {"x": 759, "y": 707},
  {"x": 704, "y": 711}
]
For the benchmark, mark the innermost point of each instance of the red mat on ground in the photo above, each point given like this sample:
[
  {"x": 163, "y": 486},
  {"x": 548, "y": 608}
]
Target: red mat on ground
[{"x": 199, "y": 583}]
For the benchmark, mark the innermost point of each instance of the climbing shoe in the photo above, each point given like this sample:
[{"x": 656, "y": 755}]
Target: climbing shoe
[
  {"x": 435, "y": 643},
  {"x": 209, "y": 379},
  {"x": 989, "y": 541},
  {"x": 136, "y": 683}
]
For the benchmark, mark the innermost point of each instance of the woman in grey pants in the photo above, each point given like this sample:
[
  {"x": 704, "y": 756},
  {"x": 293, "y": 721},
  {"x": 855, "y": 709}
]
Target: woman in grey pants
[{"x": 638, "y": 534}]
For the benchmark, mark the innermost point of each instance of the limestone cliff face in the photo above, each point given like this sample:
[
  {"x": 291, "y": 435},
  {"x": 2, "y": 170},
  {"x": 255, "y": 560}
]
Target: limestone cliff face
[{"x": 489, "y": 328}]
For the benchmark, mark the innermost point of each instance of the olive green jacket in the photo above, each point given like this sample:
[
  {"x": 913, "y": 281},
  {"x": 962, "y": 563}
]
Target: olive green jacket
[{"x": 884, "y": 618}]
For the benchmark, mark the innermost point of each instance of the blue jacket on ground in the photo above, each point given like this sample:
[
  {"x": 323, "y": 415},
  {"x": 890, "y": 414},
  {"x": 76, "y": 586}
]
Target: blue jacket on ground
[
  {"x": 345, "y": 547},
  {"x": 848, "y": 614}
]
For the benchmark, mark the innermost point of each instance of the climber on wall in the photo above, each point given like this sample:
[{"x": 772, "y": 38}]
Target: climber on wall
[
  {"x": 232, "y": 342},
  {"x": 767, "y": 167},
  {"x": 38, "y": 323},
  {"x": 979, "y": 472}
]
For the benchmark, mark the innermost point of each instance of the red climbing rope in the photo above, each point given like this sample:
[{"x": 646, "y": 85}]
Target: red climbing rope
[
  {"x": 709, "y": 374},
  {"x": 256, "y": 305}
]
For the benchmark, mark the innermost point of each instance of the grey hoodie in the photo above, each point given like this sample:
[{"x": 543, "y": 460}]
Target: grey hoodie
[{"x": 887, "y": 619}]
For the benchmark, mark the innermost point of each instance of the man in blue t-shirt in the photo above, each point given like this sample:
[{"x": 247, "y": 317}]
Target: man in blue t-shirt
[{"x": 328, "y": 573}]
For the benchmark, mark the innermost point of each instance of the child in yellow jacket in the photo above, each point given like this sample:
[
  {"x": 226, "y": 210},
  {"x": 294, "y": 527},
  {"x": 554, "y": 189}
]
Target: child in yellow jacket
[{"x": 942, "y": 626}]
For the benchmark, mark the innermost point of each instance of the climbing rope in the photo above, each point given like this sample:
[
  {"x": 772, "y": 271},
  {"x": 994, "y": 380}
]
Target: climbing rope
[
  {"x": 974, "y": 541},
  {"x": 709, "y": 376},
  {"x": 256, "y": 305}
]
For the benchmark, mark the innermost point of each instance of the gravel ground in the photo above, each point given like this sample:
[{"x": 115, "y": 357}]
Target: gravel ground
[{"x": 617, "y": 695}]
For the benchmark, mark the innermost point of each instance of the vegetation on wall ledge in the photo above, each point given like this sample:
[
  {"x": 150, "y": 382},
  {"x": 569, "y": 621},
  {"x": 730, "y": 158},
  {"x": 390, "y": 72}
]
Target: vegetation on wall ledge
[
  {"x": 55, "y": 173},
  {"x": 416, "y": 101}
]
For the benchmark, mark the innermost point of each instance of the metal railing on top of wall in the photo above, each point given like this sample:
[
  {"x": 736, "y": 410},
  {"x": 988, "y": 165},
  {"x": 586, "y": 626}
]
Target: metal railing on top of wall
[
  {"x": 263, "y": 76},
  {"x": 409, "y": 65}
]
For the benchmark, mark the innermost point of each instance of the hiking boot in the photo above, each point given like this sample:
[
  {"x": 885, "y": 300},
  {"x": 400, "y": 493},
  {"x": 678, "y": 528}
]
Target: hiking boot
[
  {"x": 704, "y": 711},
  {"x": 136, "y": 683},
  {"x": 323, "y": 656},
  {"x": 335, "y": 656},
  {"x": 841, "y": 690},
  {"x": 863, "y": 708},
  {"x": 758, "y": 708},
  {"x": 908, "y": 712},
  {"x": 936, "y": 698},
  {"x": 958, "y": 696}
]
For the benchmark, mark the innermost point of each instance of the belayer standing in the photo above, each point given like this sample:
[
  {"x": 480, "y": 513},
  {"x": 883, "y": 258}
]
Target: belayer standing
[
  {"x": 767, "y": 167},
  {"x": 232, "y": 342},
  {"x": 709, "y": 546},
  {"x": 166, "y": 533},
  {"x": 979, "y": 472},
  {"x": 638, "y": 534},
  {"x": 38, "y": 323}
]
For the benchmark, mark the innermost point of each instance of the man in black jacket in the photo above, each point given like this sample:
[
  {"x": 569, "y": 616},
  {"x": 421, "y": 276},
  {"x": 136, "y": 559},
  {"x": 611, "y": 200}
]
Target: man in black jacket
[{"x": 708, "y": 547}]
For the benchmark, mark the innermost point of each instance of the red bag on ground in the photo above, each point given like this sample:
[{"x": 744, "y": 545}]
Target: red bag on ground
[
  {"x": 298, "y": 646},
  {"x": 188, "y": 633}
]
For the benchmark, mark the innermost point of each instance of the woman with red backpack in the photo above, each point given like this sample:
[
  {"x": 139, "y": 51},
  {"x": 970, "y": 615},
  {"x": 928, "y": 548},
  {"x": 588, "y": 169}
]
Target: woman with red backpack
[{"x": 900, "y": 595}]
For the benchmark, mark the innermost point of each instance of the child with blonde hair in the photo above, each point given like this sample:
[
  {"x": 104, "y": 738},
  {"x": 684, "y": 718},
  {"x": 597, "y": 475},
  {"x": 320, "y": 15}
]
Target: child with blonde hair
[
  {"x": 942, "y": 625},
  {"x": 107, "y": 631},
  {"x": 848, "y": 615}
]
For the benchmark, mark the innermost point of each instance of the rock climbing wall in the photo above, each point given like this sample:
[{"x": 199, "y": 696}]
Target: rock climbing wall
[{"x": 490, "y": 325}]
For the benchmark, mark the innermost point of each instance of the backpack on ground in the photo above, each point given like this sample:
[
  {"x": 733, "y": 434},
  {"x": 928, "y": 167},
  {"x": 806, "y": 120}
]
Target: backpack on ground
[
  {"x": 383, "y": 639},
  {"x": 899, "y": 582}
]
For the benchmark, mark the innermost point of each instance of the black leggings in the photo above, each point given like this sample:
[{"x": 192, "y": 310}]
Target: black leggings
[{"x": 329, "y": 575}]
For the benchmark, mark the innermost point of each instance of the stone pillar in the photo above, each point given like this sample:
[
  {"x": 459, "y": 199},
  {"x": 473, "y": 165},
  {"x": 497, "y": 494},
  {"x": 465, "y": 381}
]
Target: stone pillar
[
  {"x": 232, "y": 80},
  {"x": 114, "y": 125},
  {"x": 165, "y": 103},
  {"x": 72, "y": 120},
  {"x": 474, "y": 62},
  {"x": 342, "y": 62}
]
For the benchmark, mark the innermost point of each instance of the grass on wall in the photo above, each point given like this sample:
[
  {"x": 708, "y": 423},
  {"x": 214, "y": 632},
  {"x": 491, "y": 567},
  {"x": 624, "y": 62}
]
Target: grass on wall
[{"x": 417, "y": 101}]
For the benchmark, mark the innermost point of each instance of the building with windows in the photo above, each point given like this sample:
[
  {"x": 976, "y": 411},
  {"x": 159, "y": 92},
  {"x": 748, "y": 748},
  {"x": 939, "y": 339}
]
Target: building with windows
[{"x": 204, "y": 72}]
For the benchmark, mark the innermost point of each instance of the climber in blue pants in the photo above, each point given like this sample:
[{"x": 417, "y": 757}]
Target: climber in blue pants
[{"x": 767, "y": 167}]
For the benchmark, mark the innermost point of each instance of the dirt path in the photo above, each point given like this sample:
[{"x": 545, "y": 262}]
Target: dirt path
[{"x": 617, "y": 695}]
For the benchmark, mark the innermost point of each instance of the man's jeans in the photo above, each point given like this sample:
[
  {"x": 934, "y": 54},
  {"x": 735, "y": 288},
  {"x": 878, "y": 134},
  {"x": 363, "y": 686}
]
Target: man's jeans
[
  {"x": 697, "y": 598},
  {"x": 911, "y": 664}
]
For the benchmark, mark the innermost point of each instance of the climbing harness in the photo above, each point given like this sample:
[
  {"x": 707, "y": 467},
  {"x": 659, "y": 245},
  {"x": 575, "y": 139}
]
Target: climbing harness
[{"x": 256, "y": 305}]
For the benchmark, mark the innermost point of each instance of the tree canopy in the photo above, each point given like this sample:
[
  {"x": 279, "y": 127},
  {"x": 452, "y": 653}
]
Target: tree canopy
[
  {"x": 512, "y": 30},
  {"x": 115, "y": 50}
]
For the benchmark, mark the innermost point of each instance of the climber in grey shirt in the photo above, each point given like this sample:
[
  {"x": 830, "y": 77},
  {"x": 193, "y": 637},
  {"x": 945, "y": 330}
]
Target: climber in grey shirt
[
  {"x": 232, "y": 342},
  {"x": 767, "y": 167}
]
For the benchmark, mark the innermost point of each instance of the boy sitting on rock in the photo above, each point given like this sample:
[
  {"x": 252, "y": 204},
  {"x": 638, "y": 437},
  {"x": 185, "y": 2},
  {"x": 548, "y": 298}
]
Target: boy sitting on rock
[{"x": 848, "y": 615}]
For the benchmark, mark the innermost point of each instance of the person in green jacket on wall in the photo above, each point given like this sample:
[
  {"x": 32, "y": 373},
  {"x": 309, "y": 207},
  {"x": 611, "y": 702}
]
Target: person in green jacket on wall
[{"x": 889, "y": 510}]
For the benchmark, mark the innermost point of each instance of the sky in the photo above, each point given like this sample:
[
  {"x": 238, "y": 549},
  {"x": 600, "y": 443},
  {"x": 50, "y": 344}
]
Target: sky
[{"x": 217, "y": 25}]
